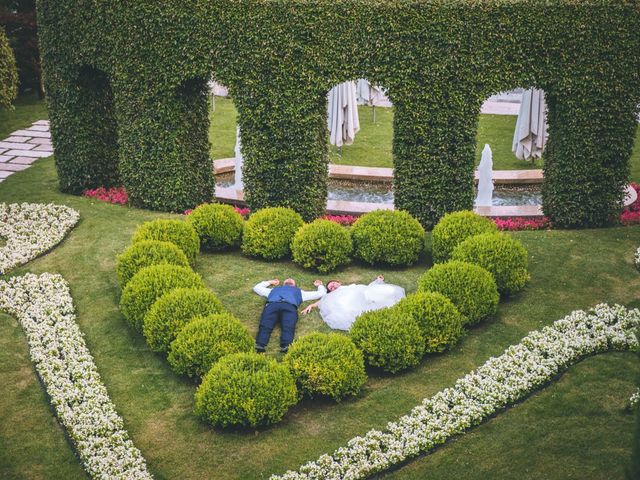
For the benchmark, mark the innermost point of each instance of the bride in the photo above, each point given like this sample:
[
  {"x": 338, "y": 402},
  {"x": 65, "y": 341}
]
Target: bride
[{"x": 343, "y": 304}]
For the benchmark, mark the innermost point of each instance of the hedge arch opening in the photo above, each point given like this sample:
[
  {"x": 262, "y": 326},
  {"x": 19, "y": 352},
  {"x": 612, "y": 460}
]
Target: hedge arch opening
[{"x": 93, "y": 147}]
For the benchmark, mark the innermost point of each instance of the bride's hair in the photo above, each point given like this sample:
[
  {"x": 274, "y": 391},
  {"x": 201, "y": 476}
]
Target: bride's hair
[{"x": 333, "y": 281}]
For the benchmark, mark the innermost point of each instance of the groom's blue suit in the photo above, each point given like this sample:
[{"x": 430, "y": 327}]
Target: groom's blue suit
[{"x": 282, "y": 306}]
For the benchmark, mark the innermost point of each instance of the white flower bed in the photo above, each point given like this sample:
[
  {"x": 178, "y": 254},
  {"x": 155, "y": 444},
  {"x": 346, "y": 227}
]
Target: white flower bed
[
  {"x": 44, "y": 307},
  {"x": 31, "y": 229},
  {"x": 500, "y": 382}
]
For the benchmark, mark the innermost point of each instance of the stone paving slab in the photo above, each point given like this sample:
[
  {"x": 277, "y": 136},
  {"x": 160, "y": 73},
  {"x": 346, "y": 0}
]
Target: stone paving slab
[
  {"x": 39, "y": 128},
  {"x": 13, "y": 167},
  {"x": 40, "y": 141},
  {"x": 44, "y": 148},
  {"x": 28, "y": 153},
  {"x": 31, "y": 133},
  {"x": 5, "y": 174},
  {"x": 16, "y": 146},
  {"x": 41, "y": 122},
  {"x": 17, "y": 139},
  {"x": 22, "y": 160},
  {"x": 5, "y": 158}
]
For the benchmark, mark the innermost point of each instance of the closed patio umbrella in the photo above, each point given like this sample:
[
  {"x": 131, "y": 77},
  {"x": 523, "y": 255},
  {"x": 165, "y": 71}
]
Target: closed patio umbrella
[
  {"x": 530, "y": 135},
  {"x": 342, "y": 114}
]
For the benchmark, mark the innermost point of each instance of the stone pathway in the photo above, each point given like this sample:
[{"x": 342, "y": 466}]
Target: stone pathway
[{"x": 24, "y": 147}]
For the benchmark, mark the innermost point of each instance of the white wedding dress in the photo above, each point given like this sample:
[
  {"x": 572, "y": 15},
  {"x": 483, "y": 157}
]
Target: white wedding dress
[{"x": 340, "y": 308}]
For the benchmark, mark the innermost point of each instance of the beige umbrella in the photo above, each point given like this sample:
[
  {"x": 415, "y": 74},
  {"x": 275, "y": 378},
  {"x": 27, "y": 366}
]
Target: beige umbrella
[
  {"x": 342, "y": 114},
  {"x": 530, "y": 136}
]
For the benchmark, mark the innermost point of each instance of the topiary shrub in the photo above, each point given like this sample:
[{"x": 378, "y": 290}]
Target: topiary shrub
[
  {"x": 144, "y": 254},
  {"x": 173, "y": 310},
  {"x": 205, "y": 340},
  {"x": 388, "y": 340},
  {"x": 322, "y": 245},
  {"x": 471, "y": 288},
  {"x": 151, "y": 283},
  {"x": 327, "y": 364},
  {"x": 440, "y": 322},
  {"x": 218, "y": 226},
  {"x": 499, "y": 253},
  {"x": 246, "y": 389},
  {"x": 269, "y": 232},
  {"x": 453, "y": 229},
  {"x": 175, "y": 231},
  {"x": 387, "y": 237}
]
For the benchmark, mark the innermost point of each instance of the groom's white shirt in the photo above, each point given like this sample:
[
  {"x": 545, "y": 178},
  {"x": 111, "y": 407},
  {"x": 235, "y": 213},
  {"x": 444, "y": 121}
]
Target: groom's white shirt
[{"x": 263, "y": 290}]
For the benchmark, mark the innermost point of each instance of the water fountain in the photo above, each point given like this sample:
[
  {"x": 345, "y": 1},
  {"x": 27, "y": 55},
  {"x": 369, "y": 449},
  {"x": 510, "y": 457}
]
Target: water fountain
[
  {"x": 238, "y": 185},
  {"x": 485, "y": 181}
]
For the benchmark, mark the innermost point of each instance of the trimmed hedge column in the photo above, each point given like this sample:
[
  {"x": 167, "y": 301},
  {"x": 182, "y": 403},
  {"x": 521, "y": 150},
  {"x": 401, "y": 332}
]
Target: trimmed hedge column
[
  {"x": 434, "y": 150},
  {"x": 286, "y": 163},
  {"x": 164, "y": 146}
]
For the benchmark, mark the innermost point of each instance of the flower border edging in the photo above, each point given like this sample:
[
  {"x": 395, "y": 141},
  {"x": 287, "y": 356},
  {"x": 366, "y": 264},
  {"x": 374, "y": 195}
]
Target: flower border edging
[
  {"x": 499, "y": 382},
  {"x": 44, "y": 307},
  {"x": 32, "y": 229}
]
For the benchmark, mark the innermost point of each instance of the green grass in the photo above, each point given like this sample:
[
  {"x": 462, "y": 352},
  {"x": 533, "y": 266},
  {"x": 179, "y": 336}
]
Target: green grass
[
  {"x": 574, "y": 428},
  {"x": 28, "y": 110},
  {"x": 222, "y": 128}
]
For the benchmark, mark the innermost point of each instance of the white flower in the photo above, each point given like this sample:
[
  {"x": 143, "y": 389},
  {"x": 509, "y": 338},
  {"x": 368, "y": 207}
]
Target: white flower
[
  {"x": 637, "y": 258},
  {"x": 31, "y": 229},
  {"x": 498, "y": 383},
  {"x": 44, "y": 307}
]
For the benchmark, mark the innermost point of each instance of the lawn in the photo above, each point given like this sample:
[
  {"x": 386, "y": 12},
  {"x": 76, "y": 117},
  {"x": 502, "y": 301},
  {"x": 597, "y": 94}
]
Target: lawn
[{"x": 576, "y": 427}]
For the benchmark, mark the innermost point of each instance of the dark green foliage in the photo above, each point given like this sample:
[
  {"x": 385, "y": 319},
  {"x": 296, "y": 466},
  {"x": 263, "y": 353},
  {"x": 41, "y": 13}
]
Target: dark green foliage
[
  {"x": 144, "y": 254},
  {"x": 151, "y": 283},
  {"x": 453, "y": 229},
  {"x": 439, "y": 61},
  {"x": 499, "y": 253},
  {"x": 180, "y": 233},
  {"x": 439, "y": 320},
  {"x": 246, "y": 389},
  {"x": 8, "y": 73},
  {"x": 327, "y": 364},
  {"x": 322, "y": 245},
  {"x": 269, "y": 232},
  {"x": 471, "y": 288},
  {"x": 173, "y": 310},
  {"x": 218, "y": 226},
  {"x": 387, "y": 237},
  {"x": 388, "y": 339},
  {"x": 205, "y": 340}
]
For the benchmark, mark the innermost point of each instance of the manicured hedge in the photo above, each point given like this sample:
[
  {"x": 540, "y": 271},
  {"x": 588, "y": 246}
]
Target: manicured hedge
[
  {"x": 269, "y": 232},
  {"x": 144, "y": 254},
  {"x": 453, "y": 229},
  {"x": 218, "y": 226},
  {"x": 246, "y": 389},
  {"x": 322, "y": 245},
  {"x": 140, "y": 111},
  {"x": 8, "y": 72},
  {"x": 175, "y": 231}
]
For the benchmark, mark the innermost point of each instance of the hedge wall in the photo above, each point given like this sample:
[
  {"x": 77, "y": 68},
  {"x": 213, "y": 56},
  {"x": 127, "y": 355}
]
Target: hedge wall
[
  {"x": 439, "y": 59},
  {"x": 8, "y": 73}
]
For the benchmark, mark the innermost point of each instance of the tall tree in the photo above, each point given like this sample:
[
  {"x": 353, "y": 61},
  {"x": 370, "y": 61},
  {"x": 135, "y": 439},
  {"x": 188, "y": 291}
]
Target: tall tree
[{"x": 19, "y": 19}]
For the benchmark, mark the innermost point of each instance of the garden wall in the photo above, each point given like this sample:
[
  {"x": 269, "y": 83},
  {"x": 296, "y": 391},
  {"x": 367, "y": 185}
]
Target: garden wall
[{"x": 145, "y": 125}]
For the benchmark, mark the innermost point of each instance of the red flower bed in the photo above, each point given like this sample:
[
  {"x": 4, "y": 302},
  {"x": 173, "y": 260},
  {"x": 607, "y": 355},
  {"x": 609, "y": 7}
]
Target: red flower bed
[
  {"x": 522, "y": 223},
  {"x": 115, "y": 195},
  {"x": 631, "y": 216},
  {"x": 345, "y": 220}
]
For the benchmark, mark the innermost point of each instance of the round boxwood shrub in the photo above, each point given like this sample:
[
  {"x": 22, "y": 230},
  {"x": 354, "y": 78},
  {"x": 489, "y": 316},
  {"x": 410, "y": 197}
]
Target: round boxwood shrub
[
  {"x": 439, "y": 320},
  {"x": 387, "y": 237},
  {"x": 205, "y": 340},
  {"x": 268, "y": 232},
  {"x": 322, "y": 245},
  {"x": 246, "y": 389},
  {"x": 388, "y": 340},
  {"x": 218, "y": 226},
  {"x": 327, "y": 364},
  {"x": 453, "y": 229},
  {"x": 471, "y": 288},
  {"x": 499, "y": 253},
  {"x": 151, "y": 283},
  {"x": 175, "y": 231},
  {"x": 144, "y": 254},
  {"x": 173, "y": 310}
]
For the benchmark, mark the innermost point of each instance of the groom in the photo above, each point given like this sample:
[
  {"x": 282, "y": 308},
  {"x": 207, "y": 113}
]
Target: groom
[{"x": 282, "y": 306}]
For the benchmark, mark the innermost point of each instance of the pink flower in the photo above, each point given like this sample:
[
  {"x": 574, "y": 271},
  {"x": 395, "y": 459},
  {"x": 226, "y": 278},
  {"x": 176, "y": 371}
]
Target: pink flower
[
  {"x": 341, "y": 219},
  {"x": 115, "y": 195}
]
